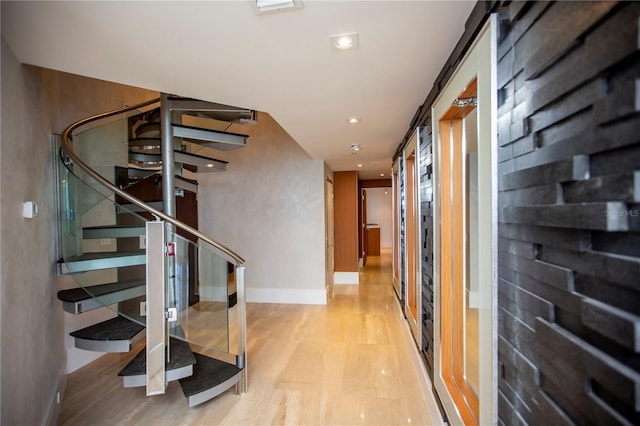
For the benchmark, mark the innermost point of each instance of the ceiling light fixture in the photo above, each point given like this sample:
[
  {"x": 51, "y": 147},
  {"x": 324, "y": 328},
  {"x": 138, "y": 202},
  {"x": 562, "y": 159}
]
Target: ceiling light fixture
[
  {"x": 359, "y": 165},
  {"x": 381, "y": 174},
  {"x": 354, "y": 120},
  {"x": 345, "y": 41},
  {"x": 266, "y": 6},
  {"x": 354, "y": 147}
]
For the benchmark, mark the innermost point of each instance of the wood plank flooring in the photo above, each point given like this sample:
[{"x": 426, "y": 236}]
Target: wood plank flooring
[{"x": 347, "y": 363}]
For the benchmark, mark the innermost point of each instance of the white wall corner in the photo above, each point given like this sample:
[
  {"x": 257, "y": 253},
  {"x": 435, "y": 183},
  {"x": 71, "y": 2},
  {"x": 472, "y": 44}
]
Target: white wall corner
[{"x": 346, "y": 278}]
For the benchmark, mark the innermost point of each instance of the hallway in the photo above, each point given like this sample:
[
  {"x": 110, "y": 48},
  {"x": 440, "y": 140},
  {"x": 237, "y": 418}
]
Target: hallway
[{"x": 349, "y": 362}]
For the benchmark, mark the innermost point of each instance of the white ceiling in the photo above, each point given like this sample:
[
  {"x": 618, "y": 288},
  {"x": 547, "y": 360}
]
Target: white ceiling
[{"x": 281, "y": 63}]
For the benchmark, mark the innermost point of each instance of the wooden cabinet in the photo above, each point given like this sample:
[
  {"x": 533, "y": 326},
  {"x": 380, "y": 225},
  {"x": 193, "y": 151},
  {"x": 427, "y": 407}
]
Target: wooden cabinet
[{"x": 373, "y": 240}]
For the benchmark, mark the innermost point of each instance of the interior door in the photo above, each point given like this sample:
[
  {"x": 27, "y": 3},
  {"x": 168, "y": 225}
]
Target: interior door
[
  {"x": 413, "y": 295},
  {"x": 465, "y": 240},
  {"x": 363, "y": 226}
]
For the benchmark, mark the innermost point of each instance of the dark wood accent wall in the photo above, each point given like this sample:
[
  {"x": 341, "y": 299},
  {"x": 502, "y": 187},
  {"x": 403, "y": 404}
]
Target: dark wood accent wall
[
  {"x": 345, "y": 207},
  {"x": 569, "y": 225}
]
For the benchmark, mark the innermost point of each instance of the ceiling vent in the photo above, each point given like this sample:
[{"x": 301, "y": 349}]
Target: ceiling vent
[{"x": 269, "y": 6}]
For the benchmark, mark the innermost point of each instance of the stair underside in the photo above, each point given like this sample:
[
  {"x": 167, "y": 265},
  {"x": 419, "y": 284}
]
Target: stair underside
[
  {"x": 200, "y": 163},
  {"x": 113, "y": 335},
  {"x": 178, "y": 366},
  {"x": 209, "y": 109},
  {"x": 104, "y": 260},
  {"x": 210, "y": 378},
  {"x": 82, "y": 299},
  {"x": 222, "y": 141}
]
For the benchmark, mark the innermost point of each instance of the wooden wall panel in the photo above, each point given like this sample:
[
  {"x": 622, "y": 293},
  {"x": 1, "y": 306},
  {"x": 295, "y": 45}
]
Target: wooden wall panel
[{"x": 345, "y": 203}]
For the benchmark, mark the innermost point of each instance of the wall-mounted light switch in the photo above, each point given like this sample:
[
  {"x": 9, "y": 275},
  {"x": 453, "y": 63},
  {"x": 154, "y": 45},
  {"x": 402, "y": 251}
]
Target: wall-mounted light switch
[{"x": 29, "y": 209}]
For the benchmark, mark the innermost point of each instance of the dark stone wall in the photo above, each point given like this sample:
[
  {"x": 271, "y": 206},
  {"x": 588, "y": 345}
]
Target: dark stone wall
[
  {"x": 569, "y": 213},
  {"x": 426, "y": 237},
  {"x": 402, "y": 222},
  {"x": 568, "y": 151}
]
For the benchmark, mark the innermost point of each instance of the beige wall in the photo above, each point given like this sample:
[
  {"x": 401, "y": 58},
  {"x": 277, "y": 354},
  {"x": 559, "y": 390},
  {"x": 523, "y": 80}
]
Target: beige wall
[
  {"x": 35, "y": 348},
  {"x": 269, "y": 208},
  {"x": 31, "y": 341}
]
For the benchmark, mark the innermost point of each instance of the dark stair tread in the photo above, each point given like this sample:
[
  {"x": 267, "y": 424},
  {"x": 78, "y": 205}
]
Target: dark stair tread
[
  {"x": 113, "y": 231},
  {"x": 207, "y": 373},
  {"x": 146, "y": 140},
  {"x": 188, "y": 154},
  {"x": 192, "y": 181},
  {"x": 118, "y": 328},
  {"x": 83, "y": 293},
  {"x": 113, "y": 227},
  {"x": 182, "y": 126},
  {"x": 104, "y": 255},
  {"x": 180, "y": 356}
]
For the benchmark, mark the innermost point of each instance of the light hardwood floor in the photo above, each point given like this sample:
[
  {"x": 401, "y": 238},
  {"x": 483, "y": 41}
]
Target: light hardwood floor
[{"x": 347, "y": 363}]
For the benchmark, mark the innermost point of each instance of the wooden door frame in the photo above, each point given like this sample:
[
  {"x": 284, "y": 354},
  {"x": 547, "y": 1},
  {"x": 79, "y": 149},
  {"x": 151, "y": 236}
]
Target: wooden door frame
[
  {"x": 478, "y": 63},
  {"x": 413, "y": 265}
]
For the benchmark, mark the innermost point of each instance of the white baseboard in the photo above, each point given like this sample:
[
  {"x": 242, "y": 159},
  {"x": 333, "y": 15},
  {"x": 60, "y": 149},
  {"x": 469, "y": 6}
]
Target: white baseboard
[
  {"x": 346, "y": 278},
  {"x": 287, "y": 295}
]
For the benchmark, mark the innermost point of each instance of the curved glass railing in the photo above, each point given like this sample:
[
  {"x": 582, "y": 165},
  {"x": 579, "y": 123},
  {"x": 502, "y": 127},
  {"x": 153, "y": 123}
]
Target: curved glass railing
[{"x": 103, "y": 231}]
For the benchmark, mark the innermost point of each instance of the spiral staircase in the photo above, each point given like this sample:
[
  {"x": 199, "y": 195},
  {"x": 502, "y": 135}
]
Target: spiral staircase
[{"x": 130, "y": 241}]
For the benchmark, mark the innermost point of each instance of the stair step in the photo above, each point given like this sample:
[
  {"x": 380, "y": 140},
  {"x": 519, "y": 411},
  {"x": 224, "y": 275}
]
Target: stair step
[
  {"x": 210, "y": 109},
  {"x": 104, "y": 260},
  {"x": 117, "y": 334},
  {"x": 200, "y": 163},
  {"x": 210, "y": 378},
  {"x": 113, "y": 231},
  {"x": 136, "y": 174},
  {"x": 222, "y": 141},
  {"x": 151, "y": 142},
  {"x": 148, "y": 129},
  {"x": 178, "y": 366},
  {"x": 133, "y": 208},
  {"x": 186, "y": 184},
  {"x": 83, "y": 299}
]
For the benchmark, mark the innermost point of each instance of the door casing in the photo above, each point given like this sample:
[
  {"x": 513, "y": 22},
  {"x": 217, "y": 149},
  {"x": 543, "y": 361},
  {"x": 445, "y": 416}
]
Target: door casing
[
  {"x": 478, "y": 63},
  {"x": 413, "y": 282}
]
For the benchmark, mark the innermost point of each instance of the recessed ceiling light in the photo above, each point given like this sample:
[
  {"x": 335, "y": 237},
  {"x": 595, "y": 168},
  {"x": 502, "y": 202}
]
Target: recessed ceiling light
[
  {"x": 345, "y": 41},
  {"x": 359, "y": 165},
  {"x": 381, "y": 174},
  {"x": 354, "y": 147},
  {"x": 354, "y": 120},
  {"x": 265, "y": 6}
]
